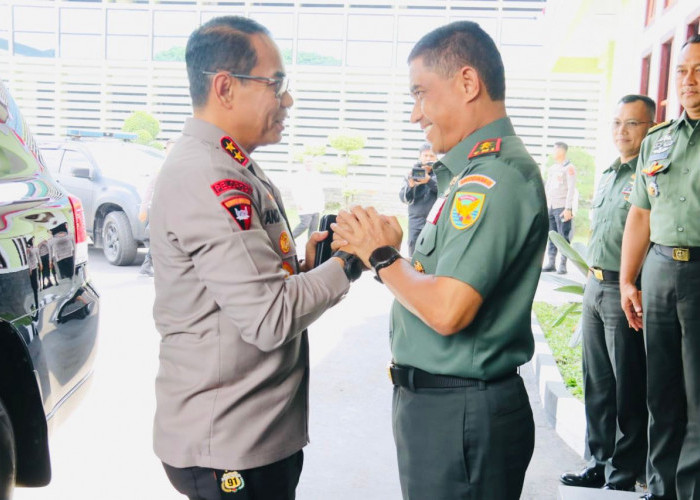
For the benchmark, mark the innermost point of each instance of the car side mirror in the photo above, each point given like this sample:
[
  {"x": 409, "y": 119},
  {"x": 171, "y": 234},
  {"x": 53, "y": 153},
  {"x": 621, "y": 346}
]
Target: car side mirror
[{"x": 82, "y": 172}]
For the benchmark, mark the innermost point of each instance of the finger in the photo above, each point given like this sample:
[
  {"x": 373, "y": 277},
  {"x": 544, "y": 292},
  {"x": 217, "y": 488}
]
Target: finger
[
  {"x": 361, "y": 214},
  {"x": 317, "y": 236}
]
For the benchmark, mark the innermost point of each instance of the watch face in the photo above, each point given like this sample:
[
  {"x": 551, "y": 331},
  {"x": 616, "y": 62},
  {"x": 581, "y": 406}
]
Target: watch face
[{"x": 382, "y": 254}]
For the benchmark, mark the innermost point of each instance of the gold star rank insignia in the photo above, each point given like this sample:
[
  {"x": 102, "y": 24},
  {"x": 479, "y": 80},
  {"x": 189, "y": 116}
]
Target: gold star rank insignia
[
  {"x": 232, "y": 149},
  {"x": 489, "y": 146}
]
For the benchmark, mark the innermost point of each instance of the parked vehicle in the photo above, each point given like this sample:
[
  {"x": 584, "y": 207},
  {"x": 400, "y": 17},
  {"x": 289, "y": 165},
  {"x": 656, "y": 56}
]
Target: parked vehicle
[
  {"x": 48, "y": 307},
  {"x": 110, "y": 175}
]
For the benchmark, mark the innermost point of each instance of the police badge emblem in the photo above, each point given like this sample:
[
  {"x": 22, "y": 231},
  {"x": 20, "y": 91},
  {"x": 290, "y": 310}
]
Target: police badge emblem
[{"x": 232, "y": 481}]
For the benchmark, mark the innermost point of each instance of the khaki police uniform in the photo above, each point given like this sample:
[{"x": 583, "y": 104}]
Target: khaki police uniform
[
  {"x": 614, "y": 368},
  {"x": 469, "y": 432},
  {"x": 560, "y": 189},
  {"x": 231, "y": 308},
  {"x": 668, "y": 184}
]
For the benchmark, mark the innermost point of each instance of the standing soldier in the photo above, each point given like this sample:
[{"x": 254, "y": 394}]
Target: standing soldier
[
  {"x": 665, "y": 214},
  {"x": 460, "y": 324},
  {"x": 614, "y": 368},
  {"x": 232, "y": 301}
]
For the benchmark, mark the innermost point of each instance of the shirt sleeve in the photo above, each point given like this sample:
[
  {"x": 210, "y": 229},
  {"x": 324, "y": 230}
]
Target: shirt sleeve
[
  {"x": 241, "y": 269},
  {"x": 480, "y": 253},
  {"x": 570, "y": 186},
  {"x": 406, "y": 193}
]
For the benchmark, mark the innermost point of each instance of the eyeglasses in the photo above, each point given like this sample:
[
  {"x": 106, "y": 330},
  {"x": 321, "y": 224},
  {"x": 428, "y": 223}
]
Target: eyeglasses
[
  {"x": 281, "y": 85},
  {"x": 630, "y": 124}
]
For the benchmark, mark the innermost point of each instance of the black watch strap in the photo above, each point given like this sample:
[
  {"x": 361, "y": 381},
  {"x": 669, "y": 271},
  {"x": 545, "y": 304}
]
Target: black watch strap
[
  {"x": 353, "y": 265},
  {"x": 383, "y": 257}
]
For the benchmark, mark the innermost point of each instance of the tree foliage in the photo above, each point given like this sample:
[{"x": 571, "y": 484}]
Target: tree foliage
[{"x": 145, "y": 126}]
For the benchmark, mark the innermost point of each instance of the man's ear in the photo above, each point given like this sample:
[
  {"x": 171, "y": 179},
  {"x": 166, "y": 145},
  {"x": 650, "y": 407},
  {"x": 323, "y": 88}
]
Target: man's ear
[
  {"x": 469, "y": 82},
  {"x": 222, "y": 89}
]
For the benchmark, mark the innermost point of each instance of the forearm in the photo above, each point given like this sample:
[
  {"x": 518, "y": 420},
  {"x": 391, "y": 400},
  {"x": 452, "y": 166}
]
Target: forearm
[
  {"x": 444, "y": 304},
  {"x": 635, "y": 244}
]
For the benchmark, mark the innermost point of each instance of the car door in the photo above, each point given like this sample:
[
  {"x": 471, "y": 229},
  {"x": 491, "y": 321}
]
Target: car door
[{"x": 77, "y": 175}]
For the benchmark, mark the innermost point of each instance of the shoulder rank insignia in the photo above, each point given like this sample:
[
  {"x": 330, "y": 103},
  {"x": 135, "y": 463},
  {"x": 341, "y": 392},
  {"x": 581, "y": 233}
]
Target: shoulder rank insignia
[
  {"x": 232, "y": 148},
  {"x": 659, "y": 126},
  {"x": 231, "y": 482},
  {"x": 466, "y": 209},
  {"x": 231, "y": 185},
  {"x": 481, "y": 180},
  {"x": 486, "y": 147},
  {"x": 240, "y": 209}
]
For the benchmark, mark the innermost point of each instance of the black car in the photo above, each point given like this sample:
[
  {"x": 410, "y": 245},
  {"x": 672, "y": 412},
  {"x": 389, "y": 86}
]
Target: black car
[
  {"x": 110, "y": 174},
  {"x": 48, "y": 307}
]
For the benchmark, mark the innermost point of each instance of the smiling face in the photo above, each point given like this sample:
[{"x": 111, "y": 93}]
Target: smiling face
[
  {"x": 688, "y": 80},
  {"x": 438, "y": 107},
  {"x": 630, "y": 125},
  {"x": 258, "y": 115}
]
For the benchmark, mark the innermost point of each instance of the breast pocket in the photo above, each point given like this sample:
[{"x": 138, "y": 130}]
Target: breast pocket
[{"x": 426, "y": 239}]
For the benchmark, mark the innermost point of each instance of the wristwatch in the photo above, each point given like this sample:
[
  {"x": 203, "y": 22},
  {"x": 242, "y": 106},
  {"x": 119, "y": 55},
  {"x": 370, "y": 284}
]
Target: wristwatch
[
  {"x": 353, "y": 265},
  {"x": 382, "y": 257}
]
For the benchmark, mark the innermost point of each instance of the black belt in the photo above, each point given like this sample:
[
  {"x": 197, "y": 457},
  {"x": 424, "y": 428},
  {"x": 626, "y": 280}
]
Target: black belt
[
  {"x": 603, "y": 275},
  {"x": 682, "y": 254},
  {"x": 415, "y": 378}
]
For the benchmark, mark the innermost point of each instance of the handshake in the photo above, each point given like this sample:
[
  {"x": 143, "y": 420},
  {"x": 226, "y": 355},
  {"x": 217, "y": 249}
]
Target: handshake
[{"x": 354, "y": 235}]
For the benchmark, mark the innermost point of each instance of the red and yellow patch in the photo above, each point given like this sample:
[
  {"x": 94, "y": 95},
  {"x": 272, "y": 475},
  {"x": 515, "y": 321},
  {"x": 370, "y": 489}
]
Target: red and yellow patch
[
  {"x": 240, "y": 208},
  {"x": 288, "y": 268},
  {"x": 232, "y": 149},
  {"x": 481, "y": 180},
  {"x": 285, "y": 242},
  {"x": 653, "y": 169},
  {"x": 466, "y": 209},
  {"x": 231, "y": 185},
  {"x": 489, "y": 146}
]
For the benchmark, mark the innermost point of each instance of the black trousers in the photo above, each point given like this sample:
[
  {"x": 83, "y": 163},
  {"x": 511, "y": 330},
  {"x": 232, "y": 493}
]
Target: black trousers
[
  {"x": 614, "y": 382},
  {"x": 671, "y": 308},
  {"x": 561, "y": 227},
  {"x": 276, "y": 481},
  {"x": 464, "y": 443}
]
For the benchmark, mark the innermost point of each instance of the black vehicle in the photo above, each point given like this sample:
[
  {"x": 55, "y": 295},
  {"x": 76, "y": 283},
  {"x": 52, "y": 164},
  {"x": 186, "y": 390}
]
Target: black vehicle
[
  {"x": 48, "y": 308},
  {"x": 110, "y": 175}
]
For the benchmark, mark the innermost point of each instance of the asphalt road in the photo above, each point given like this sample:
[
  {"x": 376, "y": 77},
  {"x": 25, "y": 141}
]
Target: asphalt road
[{"x": 103, "y": 450}]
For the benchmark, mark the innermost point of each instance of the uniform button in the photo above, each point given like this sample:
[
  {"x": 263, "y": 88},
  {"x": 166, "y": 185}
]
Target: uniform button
[
  {"x": 680, "y": 229},
  {"x": 682, "y": 198}
]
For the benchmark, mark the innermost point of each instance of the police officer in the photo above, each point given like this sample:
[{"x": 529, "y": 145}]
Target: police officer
[
  {"x": 232, "y": 301},
  {"x": 419, "y": 195},
  {"x": 460, "y": 325},
  {"x": 665, "y": 214},
  {"x": 614, "y": 368},
  {"x": 560, "y": 189}
]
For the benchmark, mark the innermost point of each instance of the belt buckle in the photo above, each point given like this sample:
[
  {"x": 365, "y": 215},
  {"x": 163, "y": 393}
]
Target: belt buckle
[
  {"x": 388, "y": 372},
  {"x": 598, "y": 273},
  {"x": 682, "y": 254}
]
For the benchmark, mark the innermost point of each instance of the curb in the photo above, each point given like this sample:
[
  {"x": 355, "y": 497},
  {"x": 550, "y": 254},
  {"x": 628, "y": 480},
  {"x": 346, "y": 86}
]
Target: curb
[{"x": 564, "y": 412}]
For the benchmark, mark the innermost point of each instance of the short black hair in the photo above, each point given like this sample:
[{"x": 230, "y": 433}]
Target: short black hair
[
  {"x": 563, "y": 145},
  {"x": 693, "y": 39},
  {"x": 648, "y": 103},
  {"x": 463, "y": 43},
  {"x": 221, "y": 44},
  {"x": 426, "y": 146}
]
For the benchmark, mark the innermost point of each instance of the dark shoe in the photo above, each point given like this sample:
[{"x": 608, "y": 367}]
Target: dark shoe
[
  {"x": 146, "y": 269},
  {"x": 548, "y": 269},
  {"x": 618, "y": 487},
  {"x": 589, "y": 477},
  {"x": 561, "y": 270},
  {"x": 650, "y": 496}
]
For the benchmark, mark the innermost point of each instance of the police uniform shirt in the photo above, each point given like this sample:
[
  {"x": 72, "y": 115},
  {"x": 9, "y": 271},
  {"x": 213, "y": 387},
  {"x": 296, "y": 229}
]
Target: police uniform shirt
[
  {"x": 488, "y": 230},
  {"x": 609, "y": 213},
  {"x": 561, "y": 185},
  {"x": 668, "y": 176},
  {"x": 231, "y": 308}
]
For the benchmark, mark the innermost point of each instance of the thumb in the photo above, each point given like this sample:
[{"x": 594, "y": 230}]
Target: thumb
[{"x": 317, "y": 236}]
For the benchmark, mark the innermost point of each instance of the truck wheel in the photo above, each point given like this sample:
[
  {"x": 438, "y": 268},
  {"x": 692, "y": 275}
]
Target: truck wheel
[
  {"x": 8, "y": 456},
  {"x": 118, "y": 243}
]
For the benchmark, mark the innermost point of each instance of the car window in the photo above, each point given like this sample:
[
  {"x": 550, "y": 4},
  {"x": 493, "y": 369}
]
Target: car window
[
  {"x": 126, "y": 160},
  {"x": 73, "y": 160},
  {"x": 52, "y": 158}
]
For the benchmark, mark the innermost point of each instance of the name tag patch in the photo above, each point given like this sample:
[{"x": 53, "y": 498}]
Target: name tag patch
[
  {"x": 240, "y": 208},
  {"x": 272, "y": 216}
]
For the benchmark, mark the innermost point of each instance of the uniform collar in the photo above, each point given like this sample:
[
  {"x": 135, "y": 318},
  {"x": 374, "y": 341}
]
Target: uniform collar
[
  {"x": 684, "y": 120},
  {"x": 617, "y": 165},
  {"x": 456, "y": 158},
  {"x": 208, "y": 132}
]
